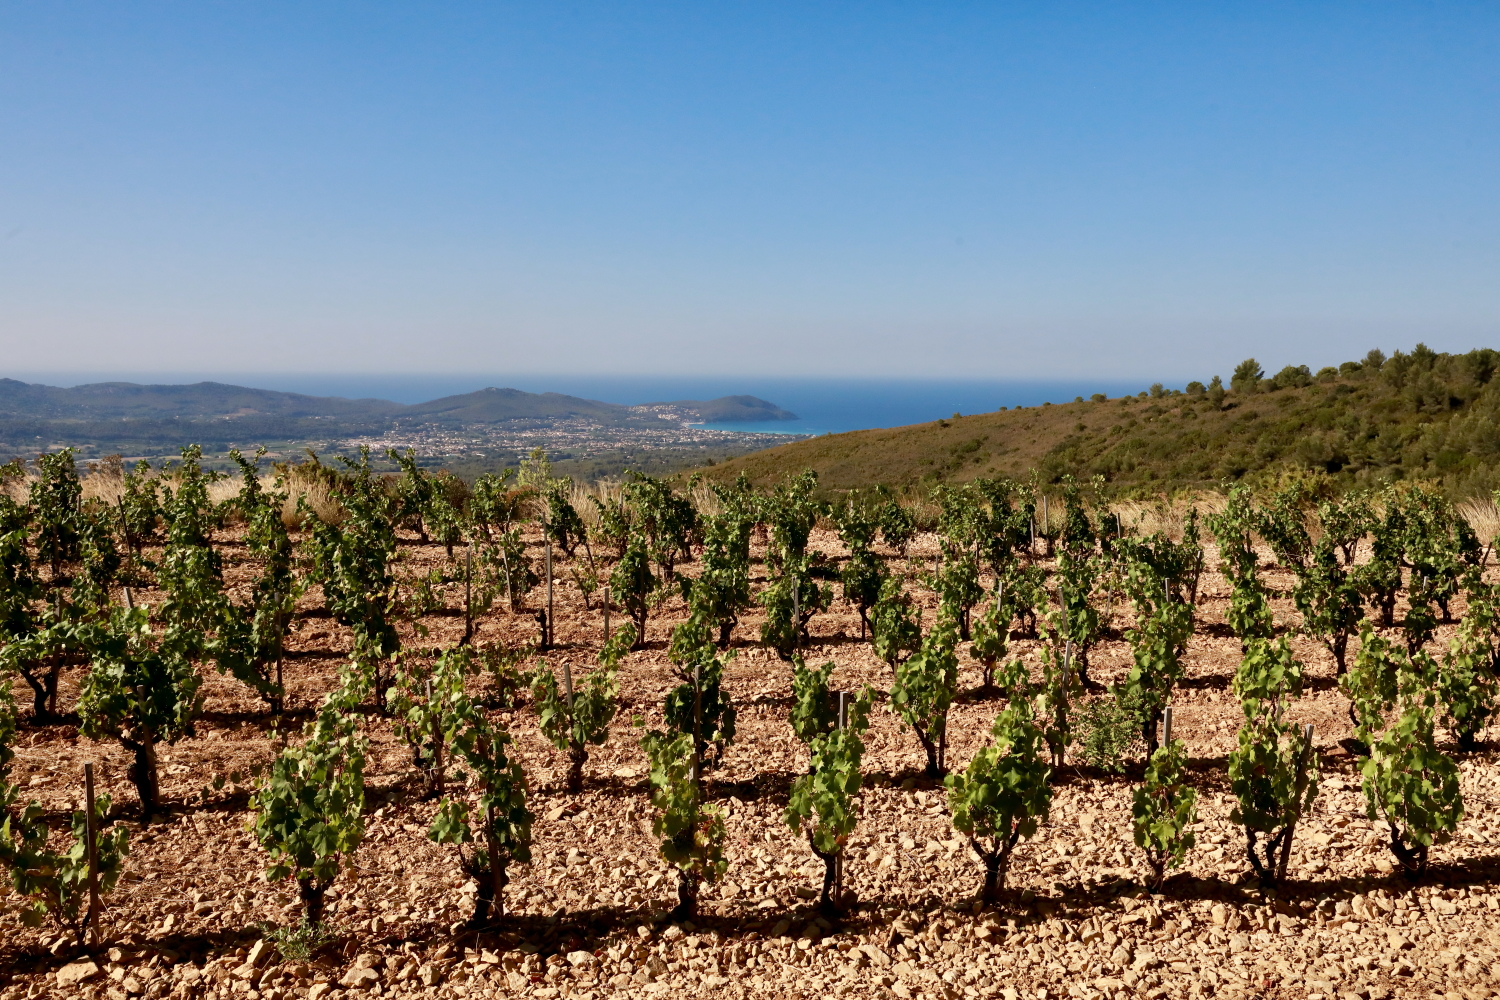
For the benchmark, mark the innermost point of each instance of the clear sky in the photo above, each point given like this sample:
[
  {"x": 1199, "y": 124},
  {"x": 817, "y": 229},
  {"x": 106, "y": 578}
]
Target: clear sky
[{"x": 1001, "y": 190}]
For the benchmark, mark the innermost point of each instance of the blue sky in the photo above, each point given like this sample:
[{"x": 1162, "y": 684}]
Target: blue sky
[{"x": 978, "y": 190}]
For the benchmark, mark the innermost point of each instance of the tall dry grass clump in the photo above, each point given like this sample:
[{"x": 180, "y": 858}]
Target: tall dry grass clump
[
  {"x": 310, "y": 482},
  {"x": 1483, "y": 516},
  {"x": 1167, "y": 515}
]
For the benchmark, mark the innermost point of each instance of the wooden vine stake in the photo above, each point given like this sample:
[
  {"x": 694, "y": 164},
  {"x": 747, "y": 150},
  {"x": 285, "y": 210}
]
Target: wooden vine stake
[
  {"x": 91, "y": 850},
  {"x": 796, "y": 612},
  {"x": 437, "y": 744},
  {"x": 606, "y": 614},
  {"x": 547, "y": 628},
  {"x": 838, "y": 861},
  {"x": 468, "y": 595}
]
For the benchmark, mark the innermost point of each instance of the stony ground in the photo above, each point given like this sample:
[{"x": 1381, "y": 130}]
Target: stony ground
[{"x": 191, "y": 915}]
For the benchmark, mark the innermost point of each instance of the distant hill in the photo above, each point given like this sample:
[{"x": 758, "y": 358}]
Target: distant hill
[
  {"x": 1421, "y": 414},
  {"x": 490, "y": 406},
  {"x": 158, "y": 419},
  {"x": 732, "y": 410},
  {"x": 128, "y": 401}
]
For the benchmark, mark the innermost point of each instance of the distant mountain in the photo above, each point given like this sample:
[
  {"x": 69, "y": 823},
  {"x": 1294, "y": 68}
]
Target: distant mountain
[
  {"x": 489, "y": 406},
  {"x": 128, "y": 401},
  {"x": 157, "y": 419},
  {"x": 733, "y": 410}
]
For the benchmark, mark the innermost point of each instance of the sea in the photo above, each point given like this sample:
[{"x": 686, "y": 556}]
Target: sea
[{"x": 822, "y": 405}]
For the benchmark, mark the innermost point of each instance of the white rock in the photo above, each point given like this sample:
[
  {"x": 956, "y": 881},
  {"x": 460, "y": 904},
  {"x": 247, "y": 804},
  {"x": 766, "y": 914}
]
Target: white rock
[
  {"x": 260, "y": 952},
  {"x": 77, "y": 972}
]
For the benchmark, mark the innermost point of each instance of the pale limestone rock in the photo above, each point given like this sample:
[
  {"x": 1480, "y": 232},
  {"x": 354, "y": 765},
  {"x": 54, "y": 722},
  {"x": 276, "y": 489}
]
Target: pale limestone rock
[{"x": 260, "y": 953}]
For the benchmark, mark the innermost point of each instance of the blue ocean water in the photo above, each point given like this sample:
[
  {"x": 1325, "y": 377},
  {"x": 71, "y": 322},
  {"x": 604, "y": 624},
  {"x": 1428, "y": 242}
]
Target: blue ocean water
[{"x": 823, "y": 405}]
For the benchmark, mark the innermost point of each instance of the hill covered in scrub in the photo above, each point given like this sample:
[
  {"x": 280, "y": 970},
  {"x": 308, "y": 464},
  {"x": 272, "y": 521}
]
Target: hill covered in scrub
[{"x": 1421, "y": 414}]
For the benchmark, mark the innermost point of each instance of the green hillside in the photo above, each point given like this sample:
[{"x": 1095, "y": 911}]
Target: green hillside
[{"x": 1421, "y": 414}]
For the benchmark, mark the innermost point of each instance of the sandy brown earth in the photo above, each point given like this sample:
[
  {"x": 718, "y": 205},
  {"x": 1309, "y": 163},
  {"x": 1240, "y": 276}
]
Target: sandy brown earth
[{"x": 586, "y": 915}]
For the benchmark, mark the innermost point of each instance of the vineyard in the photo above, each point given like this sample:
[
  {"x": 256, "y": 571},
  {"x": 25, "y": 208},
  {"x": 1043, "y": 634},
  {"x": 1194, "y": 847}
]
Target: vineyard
[{"x": 311, "y": 729}]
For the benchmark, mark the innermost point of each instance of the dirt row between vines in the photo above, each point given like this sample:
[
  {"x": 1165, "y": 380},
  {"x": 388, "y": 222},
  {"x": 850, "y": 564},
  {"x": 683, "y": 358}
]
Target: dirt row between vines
[{"x": 585, "y": 916}]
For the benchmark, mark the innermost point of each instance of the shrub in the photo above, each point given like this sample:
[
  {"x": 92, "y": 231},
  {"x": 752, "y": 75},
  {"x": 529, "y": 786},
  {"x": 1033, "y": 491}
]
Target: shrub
[
  {"x": 956, "y": 582},
  {"x": 352, "y": 562},
  {"x": 1216, "y": 392},
  {"x": 1249, "y": 612},
  {"x": 898, "y": 526},
  {"x": 813, "y": 714},
  {"x": 790, "y": 511},
  {"x": 191, "y": 571},
  {"x": 55, "y": 884},
  {"x": 1077, "y": 620},
  {"x": 139, "y": 510},
  {"x": 55, "y": 499},
  {"x": 1328, "y": 597},
  {"x": 1060, "y": 686},
  {"x": 791, "y": 599},
  {"x": 1157, "y": 645},
  {"x": 992, "y": 638},
  {"x": 633, "y": 585},
  {"x": 52, "y": 884},
  {"x": 415, "y": 491},
  {"x": 1467, "y": 683},
  {"x": 691, "y": 831},
  {"x": 309, "y": 810},
  {"x": 895, "y": 632},
  {"x": 1407, "y": 782},
  {"x": 821, "y": 803},
  {"x": 572, "y": 719},
  {"x": 722, "y": 589},
  {"x": 1413, "y": 787},
  {"x": 252, "y": 637},
  {"x": 1003, "y": 795},
  {"x": 503, "y": 834},
  {"x": 924, "y": 689},
  {"x": 98, "y": 559},
  {"x": 699, "y": 706},
  {"x": 424, "y": 706},
  {"x": 1162, "y": 810},
  {"x": 1272, "y": 772},
  {"x": 1294, "y": 377},
  {"x": 1109, "y": 730},
  {"x": 663, "y": 519},
  {"x": 864, "y": 572},
  {"x": 139, "y": 695}
]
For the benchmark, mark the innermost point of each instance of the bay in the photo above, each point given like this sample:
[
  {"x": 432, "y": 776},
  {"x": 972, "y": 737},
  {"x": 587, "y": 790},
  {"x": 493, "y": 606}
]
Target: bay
[{"x": 822, "y": 405}]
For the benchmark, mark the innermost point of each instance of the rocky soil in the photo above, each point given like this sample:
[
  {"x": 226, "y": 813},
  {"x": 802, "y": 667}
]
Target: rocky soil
[{"x": 192, "y": 916}]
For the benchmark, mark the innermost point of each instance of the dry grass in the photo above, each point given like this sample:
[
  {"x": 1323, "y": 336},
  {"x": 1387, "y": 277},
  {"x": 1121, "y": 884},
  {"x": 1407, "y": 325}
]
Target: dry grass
[
  {"x": 1167, "y": 515},
  {"x": 1483, "y": 516}
]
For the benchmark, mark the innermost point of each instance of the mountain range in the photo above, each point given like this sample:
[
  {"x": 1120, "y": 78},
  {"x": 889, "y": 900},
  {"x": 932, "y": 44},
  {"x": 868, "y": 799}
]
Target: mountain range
[{"x": 157, "y": 419}]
